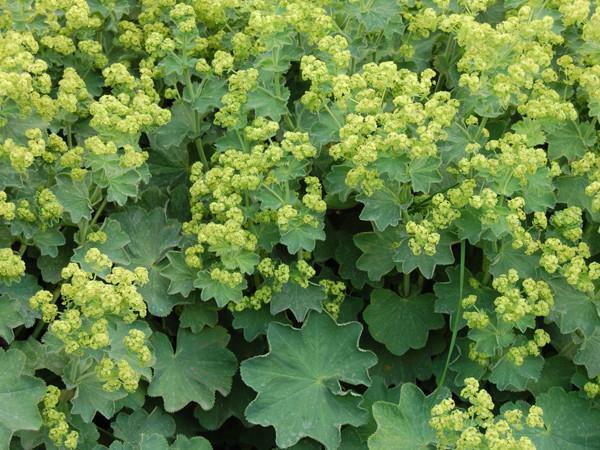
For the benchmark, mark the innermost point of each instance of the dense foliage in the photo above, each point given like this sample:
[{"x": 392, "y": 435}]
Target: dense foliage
[{"x": 339, "y": 224}]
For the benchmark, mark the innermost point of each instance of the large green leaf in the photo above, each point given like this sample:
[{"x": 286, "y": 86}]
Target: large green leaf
[
  {"x": 571, "y": 422},
  {"x": 405, "y": 426},
  {"x": 200, "y": 366},
  {"x": 298, "y": 381},
  {"x": 415, "y": 313},
  {"x": 20, "y": 394}
]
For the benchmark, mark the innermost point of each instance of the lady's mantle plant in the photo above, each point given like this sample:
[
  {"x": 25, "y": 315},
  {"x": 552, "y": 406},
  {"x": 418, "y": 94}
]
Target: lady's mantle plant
[{"x": 363, "y": 224}]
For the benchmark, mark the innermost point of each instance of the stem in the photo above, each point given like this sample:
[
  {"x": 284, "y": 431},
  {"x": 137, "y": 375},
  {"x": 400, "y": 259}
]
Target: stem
[
  {"x": 38, "y": 329},
  {"x": 86, "y": 225},
  {"x": 406, "y": 284},
  {"x": 201, "y": 153},
  {"x": 456, "y": 314},
  {"x": 99, "y": 211}
]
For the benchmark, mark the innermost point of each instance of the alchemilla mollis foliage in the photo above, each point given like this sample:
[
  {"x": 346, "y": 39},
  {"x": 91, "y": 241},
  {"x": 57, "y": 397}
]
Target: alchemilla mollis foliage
[{"x": 304, "y": 224}]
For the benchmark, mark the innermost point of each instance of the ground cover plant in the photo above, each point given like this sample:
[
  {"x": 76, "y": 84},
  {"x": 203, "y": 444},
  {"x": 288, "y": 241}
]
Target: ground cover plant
[{"x": 259, "y": 224}]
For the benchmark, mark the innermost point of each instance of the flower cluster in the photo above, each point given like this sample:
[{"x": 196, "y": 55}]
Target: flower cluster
[
  {"x": 477, "y": 426},
  {"x": 92, "y": 302},
  {"x": 12, "y": 266},
  {"x": 59, "y": 431}
]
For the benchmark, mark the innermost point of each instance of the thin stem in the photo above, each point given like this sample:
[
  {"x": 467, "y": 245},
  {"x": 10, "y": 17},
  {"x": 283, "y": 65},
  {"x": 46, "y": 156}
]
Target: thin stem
[
  {"x": 456, "y": 314},
  {"x": 99, "y": 211},
  {"x": 406, "y": 284},
  {"x": 201, "y": 153},
  {"x": 38, "y": 329}
]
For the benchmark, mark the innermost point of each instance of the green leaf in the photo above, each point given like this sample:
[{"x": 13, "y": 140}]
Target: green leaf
[
  {"x": 532, "y": 129},
  {"x": 469, "y": 225},
  {"x": 232, "y": 405},
  {"x": 198, "y": 315},
  {"x": 297, "y": 299},
  {"x": 180, "y": 275},
  {"x": 507, "y": 258},
  {"x": 378, "y": 250},
  {"x": 507, "y": 376},
  {"x": 589, "y": 353},
  {"x": 407, "y": 261},
  {"x": 90, "y": 397},
  {"x": 376, "y": 15},
  {"x": 151, "y": 236},
  {"x": 48, "y": 241},
  {"x": 200, "y": 366},
  {"x": 571, "y": 422},
  {"x": 571, "y": 190},
  {"x": 181, "y": 127},
  {"x": 265, "y": 102},
  {"x": 117, "y": 330},
  {"x": 539, "y": 191},
  {"x": 572, "y": 310},
  {"x": 253, "y": 322},
  {"x": 302, "y": 236},
  {"x": 571, "y": 140},
  {"x": 298, "y": 381},
  {"x": 415, "y": 313},
  {"x": 424, "y": 172},
  {"x": 121, "y": 183},
  {"x": 14, "y": 305},
  {"x": 213, "y": 289},
  {"x": 195, "y": 443},
  {"x": 206, "y": 96},
  {"x": 10, "y": 317},
  {"x": 114, "y": 247},
  {"x": 19, "y": 395},
  {"x": 405, "y": 426},
  {"x": 131, "y": 427},
  {"x": 74, "y": 197},
  {"x": 384, "y": 208}
]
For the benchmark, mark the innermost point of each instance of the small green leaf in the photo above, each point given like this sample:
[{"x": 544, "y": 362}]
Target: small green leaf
[
  {"x": 180, "y": 275},
  {"x": 198, "y": 315},
  {"x": 384, "y": 208},
  {"x": 254, "y": 323},
  {"x": 74, "y": 197},
  {"x": 195, "y": 443},
  {"x": 302, "y": 236},
  {"x": 508, "y": 376},
  {"x": 131, "y": 427},
  {"x": 589, "y": 353},
  {"x": 213, "y": 289},
  {"x": 90, "y": 397},
  {"x": 571, "y": 139},
  {"x": 151, "y": 236},
  {"x": 423, "y": 173},
  {"x": 378, "y": 251},
  {"x": 297, "y": 299},
  {"x": 265, "y": 102}
]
